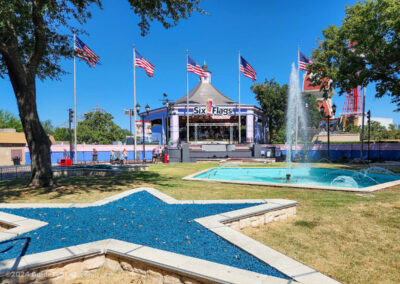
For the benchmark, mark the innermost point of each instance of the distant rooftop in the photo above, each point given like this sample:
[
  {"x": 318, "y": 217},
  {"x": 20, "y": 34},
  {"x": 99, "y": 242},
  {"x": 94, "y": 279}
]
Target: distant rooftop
[{"x": 10, "y": 136}]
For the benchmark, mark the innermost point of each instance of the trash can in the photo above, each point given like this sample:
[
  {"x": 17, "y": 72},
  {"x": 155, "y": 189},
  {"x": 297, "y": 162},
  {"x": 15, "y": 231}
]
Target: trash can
[
  {"x": 16, "y": 161},
  {"x": 65, "y": 162}
]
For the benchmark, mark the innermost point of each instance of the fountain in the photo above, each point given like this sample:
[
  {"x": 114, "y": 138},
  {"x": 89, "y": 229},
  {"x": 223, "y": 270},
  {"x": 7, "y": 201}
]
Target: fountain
[
  {"x": 303, "y": 175},
  {"x": 296, "y": 120}
]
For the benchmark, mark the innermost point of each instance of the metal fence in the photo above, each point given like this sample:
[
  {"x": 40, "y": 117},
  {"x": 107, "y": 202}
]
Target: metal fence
[{"x": 11, "y": 172}]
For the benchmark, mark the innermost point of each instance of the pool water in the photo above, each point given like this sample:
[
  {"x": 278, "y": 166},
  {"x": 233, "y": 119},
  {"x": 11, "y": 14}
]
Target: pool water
[{"x": 304, "y": 176}]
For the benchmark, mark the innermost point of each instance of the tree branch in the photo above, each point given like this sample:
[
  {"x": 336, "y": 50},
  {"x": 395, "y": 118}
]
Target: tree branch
[
  {"x": 11, "y": 56},
  {"x": 40, "y": 36}
]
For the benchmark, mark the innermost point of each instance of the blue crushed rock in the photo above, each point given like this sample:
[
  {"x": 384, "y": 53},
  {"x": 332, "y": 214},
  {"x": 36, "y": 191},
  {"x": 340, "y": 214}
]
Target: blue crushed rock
[{"x": 138, "y": 218}]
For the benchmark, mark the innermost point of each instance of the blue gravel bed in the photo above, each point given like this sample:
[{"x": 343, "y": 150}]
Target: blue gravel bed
[{"x": 138, "y": 218}]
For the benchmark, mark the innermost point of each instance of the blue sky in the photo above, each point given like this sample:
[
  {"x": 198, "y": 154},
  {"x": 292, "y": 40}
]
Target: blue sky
[{"x": 267, "y": 34}]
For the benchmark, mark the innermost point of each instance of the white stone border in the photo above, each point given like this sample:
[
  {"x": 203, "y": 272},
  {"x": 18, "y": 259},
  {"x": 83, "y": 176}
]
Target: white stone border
[
  {"x": 18, "y": 224},
  {"x": 172, "y": 261},
  {"x": 192, "y": 177}
]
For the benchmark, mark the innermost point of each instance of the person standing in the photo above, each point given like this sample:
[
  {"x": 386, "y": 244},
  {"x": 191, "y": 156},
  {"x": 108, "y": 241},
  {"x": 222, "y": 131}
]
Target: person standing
[
  {"x": 66, "y": 155},
  {"x": 94, "y": 155},
  {"x": 112, "y": 156},
  {"x": 154, "y": 155},
  {"x": 125, "y": 156}
]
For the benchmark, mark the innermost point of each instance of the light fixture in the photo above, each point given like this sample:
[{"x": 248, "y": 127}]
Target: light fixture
[{"x": 322, "y": 110}]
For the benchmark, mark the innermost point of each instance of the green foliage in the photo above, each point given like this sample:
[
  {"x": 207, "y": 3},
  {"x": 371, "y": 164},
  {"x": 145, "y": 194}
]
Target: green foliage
[
  {"x": 61, "y": 134},
  {"x": 351, "y": 128},
  {"x": 272, "y": 98},
  {"x": 281, "y": 136},
  {"x": 378, "y": 132},
  {"x": 98, "y": 128},
  {"x": 312, "y": 112},
  {"x": 39, "y": 33},
  {"x": 8, "y": 120},
  {"x": 48, "y": 127},
  {"x": 373, "y": 27}
]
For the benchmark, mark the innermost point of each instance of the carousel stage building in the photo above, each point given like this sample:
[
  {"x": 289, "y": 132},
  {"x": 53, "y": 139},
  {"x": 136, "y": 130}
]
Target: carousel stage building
[{"x": 213, "y": 118}]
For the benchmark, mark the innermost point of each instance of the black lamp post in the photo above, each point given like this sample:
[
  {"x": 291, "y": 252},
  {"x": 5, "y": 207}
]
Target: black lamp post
[
  {"x": 147, "y": 108},
  {"x": 322, "y": 111},
  {"x": 168, "y": 103}
]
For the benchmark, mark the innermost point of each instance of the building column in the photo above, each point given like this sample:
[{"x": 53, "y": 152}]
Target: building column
[
  {"x": 174, "y": 126},
  {"x": 250, "y": 126}
]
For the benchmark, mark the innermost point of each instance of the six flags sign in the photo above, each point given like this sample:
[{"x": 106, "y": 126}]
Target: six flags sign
[{"x": 212, "y": 110}]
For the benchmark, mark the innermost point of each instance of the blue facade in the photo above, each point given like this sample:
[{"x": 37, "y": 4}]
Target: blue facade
[
  {"x": 102, "y": 156},
  {"x": 314, "y": 155}
]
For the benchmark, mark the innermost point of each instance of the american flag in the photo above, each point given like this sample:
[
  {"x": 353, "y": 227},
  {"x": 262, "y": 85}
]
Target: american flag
[
  {"x": 247, "y": 70},
  {"x": 303, "y": 62},
  {"x": 192, "y": 66},
  {"x": 84, "y": 52},
  {"x": 140, "y": 61}
]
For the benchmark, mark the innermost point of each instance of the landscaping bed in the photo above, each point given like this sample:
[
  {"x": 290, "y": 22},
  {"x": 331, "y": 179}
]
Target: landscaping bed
[{"x": 352, "y": 238}]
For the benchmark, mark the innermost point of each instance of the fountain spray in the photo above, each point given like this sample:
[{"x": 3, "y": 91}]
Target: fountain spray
[{"x": 296, "y": 120}]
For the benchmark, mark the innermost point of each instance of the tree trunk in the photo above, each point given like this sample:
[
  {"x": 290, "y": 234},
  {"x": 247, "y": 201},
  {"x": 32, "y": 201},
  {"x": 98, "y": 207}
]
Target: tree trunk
[{"x": 38, "y": 141}]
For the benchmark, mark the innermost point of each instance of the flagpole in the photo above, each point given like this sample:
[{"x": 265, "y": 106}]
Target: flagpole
[
  {"x": 134, "y": 103},
  {"x": 187, "y": 97},
  {"x": 240, "y": 123},
  {"x": 75, "y": 150}
]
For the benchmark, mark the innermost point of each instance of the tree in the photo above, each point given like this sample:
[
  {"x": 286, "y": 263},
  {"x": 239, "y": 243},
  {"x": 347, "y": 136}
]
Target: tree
[
  {"x": 98, "y": 128},
  {"x": 365, "y": 49},
  {"x": 48, "y": 127},
  {"x": 61, "y": 134},
  {"x": 35, "y": 35},
  {"x": 312, "y": 111},
  {"x": 8, "y": 120},
  {"x": 394, "y": 132},
  {"x": 272, "y": 98}
]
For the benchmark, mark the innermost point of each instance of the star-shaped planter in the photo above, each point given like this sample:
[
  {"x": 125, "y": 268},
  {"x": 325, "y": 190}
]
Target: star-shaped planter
[{"x": 148, "y": 218}]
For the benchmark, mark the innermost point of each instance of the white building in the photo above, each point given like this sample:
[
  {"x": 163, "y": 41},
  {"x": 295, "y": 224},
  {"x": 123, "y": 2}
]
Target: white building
[{"x": 382, "y": 120}]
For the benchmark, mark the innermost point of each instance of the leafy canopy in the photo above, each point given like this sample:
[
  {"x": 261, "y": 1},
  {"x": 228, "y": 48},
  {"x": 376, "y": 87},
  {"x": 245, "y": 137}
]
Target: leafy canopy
[
  {"x": 38, "y": 33},
  {"x": 312, "y": 111},
  {"x": 378, "y": 132},
  {"x": 61, "y": 134},
  {"x": 8, "y": 120},
  {"x": 272, "y": 98},
  {"x": 98, "y": 128},
  {"x": 372, "y": 29}
]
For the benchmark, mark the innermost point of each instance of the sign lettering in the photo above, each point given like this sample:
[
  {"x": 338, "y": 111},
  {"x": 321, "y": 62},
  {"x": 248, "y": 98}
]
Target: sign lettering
[{"x": 215, "y": 110}]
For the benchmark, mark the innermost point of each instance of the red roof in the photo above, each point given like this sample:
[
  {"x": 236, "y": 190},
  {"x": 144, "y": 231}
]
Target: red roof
[
  {"x": 307, "y": 84},
  {"x": 327, "y": 107}
]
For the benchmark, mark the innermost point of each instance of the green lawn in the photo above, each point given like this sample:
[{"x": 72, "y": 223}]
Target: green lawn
[{"x": 351, "y": 237}]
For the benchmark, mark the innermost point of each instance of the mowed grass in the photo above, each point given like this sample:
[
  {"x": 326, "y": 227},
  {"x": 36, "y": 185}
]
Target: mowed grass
[{"x": 354, "y": 238}]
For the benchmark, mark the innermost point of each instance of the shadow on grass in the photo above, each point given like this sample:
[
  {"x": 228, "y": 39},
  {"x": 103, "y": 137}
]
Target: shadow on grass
[
  {"x": 15, "y": 189},
  {"x": 306, "y": 224}
]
